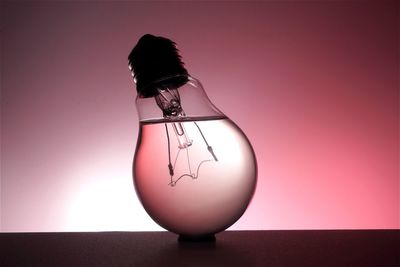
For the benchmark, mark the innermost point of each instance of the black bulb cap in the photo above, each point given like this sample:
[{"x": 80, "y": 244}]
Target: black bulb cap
[{"x": 155, "y": 62}]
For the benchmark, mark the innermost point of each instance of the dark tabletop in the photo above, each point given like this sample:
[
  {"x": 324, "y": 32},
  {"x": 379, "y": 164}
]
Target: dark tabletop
[{"x": 231, "y": 248}]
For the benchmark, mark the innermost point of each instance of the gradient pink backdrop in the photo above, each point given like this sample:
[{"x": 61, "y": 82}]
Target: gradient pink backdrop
[{"x": 315, "y": 85}]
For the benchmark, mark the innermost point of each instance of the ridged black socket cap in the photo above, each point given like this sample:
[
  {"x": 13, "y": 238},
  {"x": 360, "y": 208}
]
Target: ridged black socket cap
[{"x": 154, "y": 59}]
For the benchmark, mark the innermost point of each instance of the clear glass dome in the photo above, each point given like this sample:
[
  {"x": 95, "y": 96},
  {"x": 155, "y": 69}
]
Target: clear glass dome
[{"x": 194, "y": 170}]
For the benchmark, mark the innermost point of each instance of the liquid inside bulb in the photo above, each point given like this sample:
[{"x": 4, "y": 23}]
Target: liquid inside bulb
[{"x": 194, "y": 176}]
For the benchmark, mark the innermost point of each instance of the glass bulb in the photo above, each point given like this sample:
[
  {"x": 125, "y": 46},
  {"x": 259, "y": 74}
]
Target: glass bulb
[{"x": 194, "y": 170}]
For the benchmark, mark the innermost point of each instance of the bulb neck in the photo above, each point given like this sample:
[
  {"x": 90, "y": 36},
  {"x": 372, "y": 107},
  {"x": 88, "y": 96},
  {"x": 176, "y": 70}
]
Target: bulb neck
[
  {"x": 174, "y": 98},
  {"x": 168, "y": 98},
  {"x": 170, "y": 82}
]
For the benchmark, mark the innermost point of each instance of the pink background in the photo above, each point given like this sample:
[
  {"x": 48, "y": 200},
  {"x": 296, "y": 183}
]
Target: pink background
[{"x": 315, "y": 85}]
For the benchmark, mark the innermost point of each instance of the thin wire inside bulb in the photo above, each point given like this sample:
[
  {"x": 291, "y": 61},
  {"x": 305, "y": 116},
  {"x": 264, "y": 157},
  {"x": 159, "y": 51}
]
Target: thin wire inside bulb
[
  {"x": 168, "y": 100},
  {"x": 193, "y": 175}
]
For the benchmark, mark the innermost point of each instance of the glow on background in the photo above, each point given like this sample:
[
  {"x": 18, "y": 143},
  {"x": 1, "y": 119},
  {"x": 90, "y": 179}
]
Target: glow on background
[{"x": 314, "y": 85}]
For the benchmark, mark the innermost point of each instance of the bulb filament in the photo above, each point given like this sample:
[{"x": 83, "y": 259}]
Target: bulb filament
[
  {"x": 184, "y": 143},
  {"x": 168, "y": 100}
]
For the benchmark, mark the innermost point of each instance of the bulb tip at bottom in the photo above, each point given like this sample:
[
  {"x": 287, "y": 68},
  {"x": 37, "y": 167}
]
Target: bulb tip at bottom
[{"x": 197, "y": 239}]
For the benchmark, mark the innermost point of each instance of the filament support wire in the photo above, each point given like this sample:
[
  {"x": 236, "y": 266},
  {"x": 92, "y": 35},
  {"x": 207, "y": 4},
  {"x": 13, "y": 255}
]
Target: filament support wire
[{"x": 171, "y": 167}]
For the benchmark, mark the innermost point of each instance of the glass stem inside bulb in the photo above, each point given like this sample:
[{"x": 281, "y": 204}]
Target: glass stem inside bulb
[
  {"x": 181, "y": 135},
  {"x": 168, "y": 100}
]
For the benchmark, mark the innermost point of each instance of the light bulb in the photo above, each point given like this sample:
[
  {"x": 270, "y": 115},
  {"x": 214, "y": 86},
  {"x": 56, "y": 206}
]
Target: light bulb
[{"x": 194, "y": 170}]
